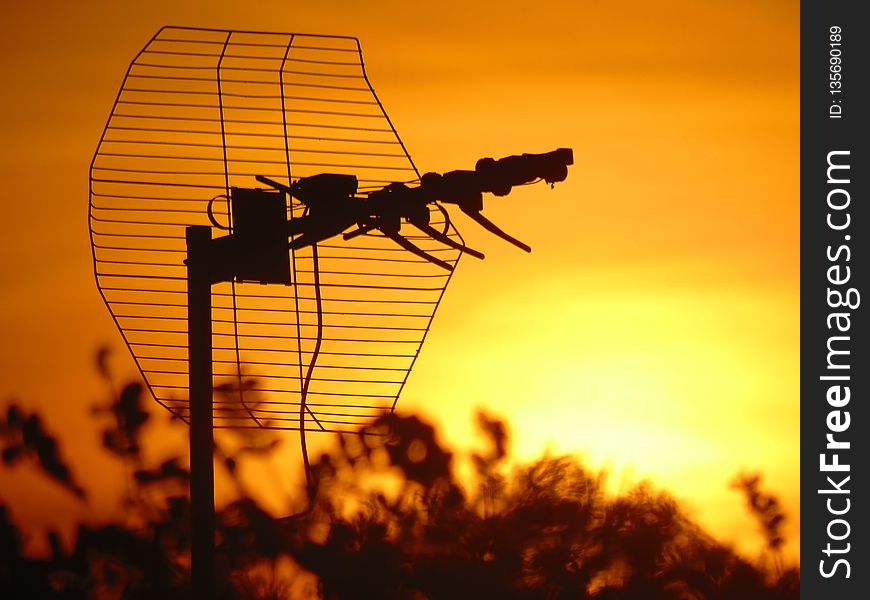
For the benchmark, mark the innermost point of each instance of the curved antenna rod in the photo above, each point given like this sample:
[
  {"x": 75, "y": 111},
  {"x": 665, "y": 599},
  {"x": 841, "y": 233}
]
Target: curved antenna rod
[
  {"x": 424, "y": 227},
  {"x": 445, "y": 239},
  {"x": 493, "y": 228},
  {"x": 407, "y": 245}
]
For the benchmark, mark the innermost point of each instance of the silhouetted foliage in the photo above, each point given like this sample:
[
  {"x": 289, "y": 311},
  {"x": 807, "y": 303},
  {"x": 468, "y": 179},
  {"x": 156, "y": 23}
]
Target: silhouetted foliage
[
  {"x": 540, "y": 531},
  {"x": 24, "y": 438},
  {"x": 765, "y": 507},
  {"x": 390, "y": 519},
  {"x": 234, "y": 398},
  {"x": 123, "y": 437}
]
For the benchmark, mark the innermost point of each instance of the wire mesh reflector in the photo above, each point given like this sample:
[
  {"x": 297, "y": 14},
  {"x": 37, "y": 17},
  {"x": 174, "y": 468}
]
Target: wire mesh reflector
[{"x": 201, "y": 111}]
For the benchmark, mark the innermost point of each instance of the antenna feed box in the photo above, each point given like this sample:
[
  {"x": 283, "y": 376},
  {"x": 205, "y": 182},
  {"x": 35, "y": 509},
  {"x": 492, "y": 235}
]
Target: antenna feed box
[{"x": 256, "y": 250}]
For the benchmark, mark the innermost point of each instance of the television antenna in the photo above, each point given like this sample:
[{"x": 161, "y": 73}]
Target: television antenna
[{"x": 234, "y": 159}]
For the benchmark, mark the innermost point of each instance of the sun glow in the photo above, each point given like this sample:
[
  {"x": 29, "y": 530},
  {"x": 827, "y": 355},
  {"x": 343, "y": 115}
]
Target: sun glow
[{"x": 663, "y": 385}]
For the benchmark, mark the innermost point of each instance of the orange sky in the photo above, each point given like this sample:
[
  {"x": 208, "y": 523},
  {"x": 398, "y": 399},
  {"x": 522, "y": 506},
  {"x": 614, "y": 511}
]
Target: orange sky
[{"x": 654, "y": 327}]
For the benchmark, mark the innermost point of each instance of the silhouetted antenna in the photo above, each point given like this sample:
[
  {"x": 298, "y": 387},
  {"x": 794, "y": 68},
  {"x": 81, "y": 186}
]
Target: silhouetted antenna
[
  {"x": 236, "y": 159},
  {"x": 202, "y": 111}
]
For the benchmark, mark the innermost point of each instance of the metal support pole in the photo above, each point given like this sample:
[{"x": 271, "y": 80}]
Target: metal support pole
[{"x": 202, "y": 550}]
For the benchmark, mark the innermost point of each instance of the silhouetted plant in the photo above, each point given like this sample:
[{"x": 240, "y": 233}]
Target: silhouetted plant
[
  {"x": 388, "y": 519},
  {"x": 544, "y": 530},
  {"x": 24, "y": 438},
  {"x": 767, "y": 511}
]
